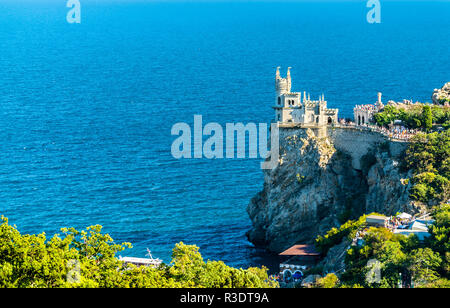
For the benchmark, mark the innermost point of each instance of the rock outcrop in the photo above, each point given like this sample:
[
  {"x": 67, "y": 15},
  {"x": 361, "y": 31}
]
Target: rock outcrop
[
  {"x": 334, "y": 262},
  {"x": 442, "y": 96},
  {"x": 322, "y": 181}
]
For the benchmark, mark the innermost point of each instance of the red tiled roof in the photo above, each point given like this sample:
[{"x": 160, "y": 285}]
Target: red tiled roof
[{"x": 300, "y": 250}]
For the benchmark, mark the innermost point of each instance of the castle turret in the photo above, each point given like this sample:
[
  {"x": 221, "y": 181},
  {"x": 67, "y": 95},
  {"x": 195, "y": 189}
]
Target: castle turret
[
  {"x": 288, "y": 79},
  {"x": 281, "y": 84},
  {"x": 379, "y": 103}
]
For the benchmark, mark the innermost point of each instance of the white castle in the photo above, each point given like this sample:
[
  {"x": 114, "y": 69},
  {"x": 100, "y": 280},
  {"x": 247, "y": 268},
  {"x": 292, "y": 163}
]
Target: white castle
[{"x": 291, "y": 108}]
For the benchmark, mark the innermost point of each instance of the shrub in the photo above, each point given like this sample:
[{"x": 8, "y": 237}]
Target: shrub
[
  {"x": 327, "y": 282},
  {"x": 336, "y": 235}
]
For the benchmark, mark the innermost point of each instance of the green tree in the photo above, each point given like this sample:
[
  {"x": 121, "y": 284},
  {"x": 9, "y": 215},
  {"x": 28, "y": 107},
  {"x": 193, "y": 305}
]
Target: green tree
[
  {"x": 423, "y": 265},
  {"x": 90, "y": 257},
  {"x": 427, "y": 118}
]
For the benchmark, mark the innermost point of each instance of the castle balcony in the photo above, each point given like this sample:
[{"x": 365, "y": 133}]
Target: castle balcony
[{"x": 329, "y": 111}]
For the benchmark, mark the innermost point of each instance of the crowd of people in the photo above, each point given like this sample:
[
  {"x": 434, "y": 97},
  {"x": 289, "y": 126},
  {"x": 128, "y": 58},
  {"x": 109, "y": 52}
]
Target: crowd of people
[
  {"x": 392, "y": 223},
  {"x": 397, "y": 132}
]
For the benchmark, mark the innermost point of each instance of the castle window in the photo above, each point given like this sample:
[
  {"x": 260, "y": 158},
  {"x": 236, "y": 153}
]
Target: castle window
[{"x": 279, "y": 100}]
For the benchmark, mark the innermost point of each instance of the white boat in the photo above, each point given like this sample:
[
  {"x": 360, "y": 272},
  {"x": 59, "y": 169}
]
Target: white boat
[{"x": 150, "y": 261}]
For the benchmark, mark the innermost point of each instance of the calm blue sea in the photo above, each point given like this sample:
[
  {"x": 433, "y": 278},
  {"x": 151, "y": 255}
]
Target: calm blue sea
[{"x": 86, "y": 110}]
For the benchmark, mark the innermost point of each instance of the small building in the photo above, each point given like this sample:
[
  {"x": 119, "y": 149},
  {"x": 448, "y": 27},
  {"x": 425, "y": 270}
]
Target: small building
[
  {"x": 363, "y": 114},
  {"x": 422, "y": 235},
  {"x": 296, "y": 259},
  {"x": 418, "y": 227},
  {"x": 404, "y": 216},
  {"x": 376, "y": 221},
  {"x": 307, "y": 252}
]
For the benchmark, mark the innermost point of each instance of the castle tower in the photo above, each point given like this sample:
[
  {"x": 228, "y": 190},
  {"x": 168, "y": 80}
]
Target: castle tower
[
  {"x": 379, "y": 103},
  {"x": 281, "y": 84},
  {"x": 277, "y": 74},
  {"x": 288, "y": 79}
]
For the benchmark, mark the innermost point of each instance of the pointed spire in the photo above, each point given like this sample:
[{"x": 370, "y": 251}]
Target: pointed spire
[
  {"x": 288, "y": 79},
  {"x": 277, "y": 75}
]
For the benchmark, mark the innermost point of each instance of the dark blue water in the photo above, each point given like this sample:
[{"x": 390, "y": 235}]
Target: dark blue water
[{"x": 86, "y": 110}]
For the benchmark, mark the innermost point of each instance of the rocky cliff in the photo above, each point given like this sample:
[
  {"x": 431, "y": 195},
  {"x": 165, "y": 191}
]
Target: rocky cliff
[
  {"x": 322, "y": 181},
  {"x": 442, "y": 96}
]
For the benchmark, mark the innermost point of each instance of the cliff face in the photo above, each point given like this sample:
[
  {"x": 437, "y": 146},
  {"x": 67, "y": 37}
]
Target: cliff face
[
  {"x": 321, "y": 182},
  {"x": 441, "y": 96}
]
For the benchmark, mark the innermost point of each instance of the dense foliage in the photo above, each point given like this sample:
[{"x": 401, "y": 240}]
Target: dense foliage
[
  {"x": 88, "y": 259},
  {"x": 416, "y": 117},
  {"x": 385, "y": 259},
  {"x": 336, "y": 235},
  {"x": 428, "y": 156}
]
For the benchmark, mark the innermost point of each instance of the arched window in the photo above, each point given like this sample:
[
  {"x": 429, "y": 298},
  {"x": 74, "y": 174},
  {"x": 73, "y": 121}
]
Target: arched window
[
  {"x": 359, "y": 120},
  {"x": 330, "y": 120},
  {"x": 297, "y": 275},
  {"x": 287, "y": 276},
  {"x": 363, "y": 122}
]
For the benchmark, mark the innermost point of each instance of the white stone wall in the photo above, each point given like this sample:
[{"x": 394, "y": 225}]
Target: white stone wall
[
  {"x": 286, "y": 115},
  {"x": 357, "y": 143},
  {"x": 298, "y": 115}
]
